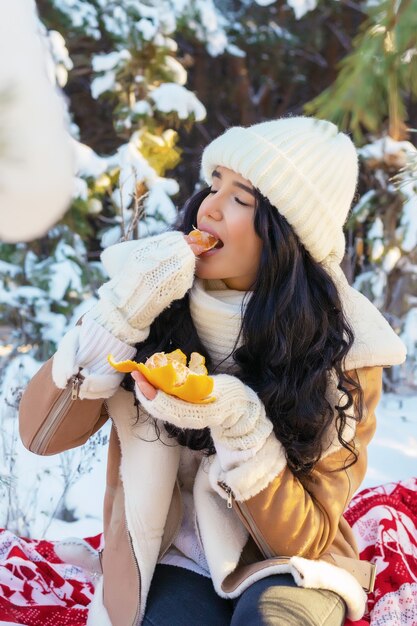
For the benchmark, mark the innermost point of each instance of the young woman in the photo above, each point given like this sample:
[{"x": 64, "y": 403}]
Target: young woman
[{"x": 231, "y": 512}]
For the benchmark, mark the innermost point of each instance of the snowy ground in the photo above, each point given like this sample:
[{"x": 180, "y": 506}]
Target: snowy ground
[
  {"x": 393, "y": 450},
  {"x": 392, "y": 456}
]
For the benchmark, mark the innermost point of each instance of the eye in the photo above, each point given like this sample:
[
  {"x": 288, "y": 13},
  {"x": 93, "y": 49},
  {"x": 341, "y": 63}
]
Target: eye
[
  {"x": 211, "y": 190},
  {"x": 241, "y": 203}
]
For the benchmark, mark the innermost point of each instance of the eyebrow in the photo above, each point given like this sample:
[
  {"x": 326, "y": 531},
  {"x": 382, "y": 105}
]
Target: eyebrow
[{"x": 216, "y": 174}]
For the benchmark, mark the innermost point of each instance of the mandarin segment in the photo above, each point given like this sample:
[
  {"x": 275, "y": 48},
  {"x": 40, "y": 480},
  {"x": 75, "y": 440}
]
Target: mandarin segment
[
  {"x": 177, "y": 355},
  {"x": 204, "y": 239},
  {"x": 197, "y": 364},
  {"x": 181, "y": 372},
  {"x": 159, "y": 359}
]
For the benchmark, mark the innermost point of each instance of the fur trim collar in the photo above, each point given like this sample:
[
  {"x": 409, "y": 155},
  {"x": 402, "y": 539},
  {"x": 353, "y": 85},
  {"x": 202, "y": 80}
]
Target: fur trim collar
[{"x": 376, "y": 344}]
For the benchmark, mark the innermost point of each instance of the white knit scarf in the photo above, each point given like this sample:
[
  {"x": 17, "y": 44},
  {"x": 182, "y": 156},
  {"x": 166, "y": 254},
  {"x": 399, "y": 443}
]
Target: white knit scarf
[{"x": 217, "y": 314}]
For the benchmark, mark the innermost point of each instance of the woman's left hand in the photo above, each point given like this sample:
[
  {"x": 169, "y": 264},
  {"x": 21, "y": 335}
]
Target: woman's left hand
[
  {"x": 237, "y": 416},
  {"x": 144, "y": 385}
]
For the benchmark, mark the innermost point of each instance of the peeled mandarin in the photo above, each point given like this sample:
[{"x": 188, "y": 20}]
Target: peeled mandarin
[{"x": 170, "y": 373}]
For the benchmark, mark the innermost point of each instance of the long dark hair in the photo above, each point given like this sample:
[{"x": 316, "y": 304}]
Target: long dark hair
[{"x": 294, "y": 334}]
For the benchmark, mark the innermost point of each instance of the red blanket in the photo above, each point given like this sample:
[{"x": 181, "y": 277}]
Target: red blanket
[
  {"x": 39, "y": 589},
  {"x": 384, "y": 520}
]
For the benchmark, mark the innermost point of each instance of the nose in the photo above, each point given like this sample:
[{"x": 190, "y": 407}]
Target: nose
[{"x": 212, "y": 206}]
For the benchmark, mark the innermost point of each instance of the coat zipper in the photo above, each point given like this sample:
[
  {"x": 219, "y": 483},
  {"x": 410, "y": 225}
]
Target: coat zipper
[
  {"x": 177, "y": 529},
  {"x": 245, "y": 516},
  {"x": 58, "y": 411},
  {"x": 129, "y": 536}
]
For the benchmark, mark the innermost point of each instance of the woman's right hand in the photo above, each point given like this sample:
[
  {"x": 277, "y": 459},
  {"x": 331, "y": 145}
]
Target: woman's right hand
[
  {"x": 144, "y": 385},
  {"x": 145, "y": 277}
]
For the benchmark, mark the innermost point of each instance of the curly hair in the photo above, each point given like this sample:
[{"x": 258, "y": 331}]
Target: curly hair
[{"x": 293, "y": 335}]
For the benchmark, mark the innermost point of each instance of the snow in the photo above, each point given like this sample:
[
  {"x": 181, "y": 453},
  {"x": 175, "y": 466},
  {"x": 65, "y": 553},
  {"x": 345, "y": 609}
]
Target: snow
[
  {"x": 387, "y": 146},
  {"x": 165, "y": 42},
  {"x": 64, "y": 275},
  {"x": 158, "y": 204},
  {"x": 107, "y": 65},
  {"x": 106, "y": 62},
  {"x": 408, "y": 224},
  {"x": 87, "y": 162},
  {"x": 392, "y": 454},
  {"x": 391, "y": 259},
  {"x": 18, "y": 373},
  {"x": 377, "y": 229},
  {"x": 160, "y": 211},
  {"x": 361, "y": 209},
  {"x": 110, "y": 237},
  {"x": 409, "y": 55},
  {"x": 178, "y": 73},
  {"x": 53, "y": 325},
  {"x": 372, "y": 284},
  {"x": 377, "y": 249},
  {"x": 134, "y": 168},
  {"x": 21, "y": 293},
  {"x": 235, "y": 50},
  {"x": 208, "y": 15},
  {"x": 94, "y": 206},
  {"x": 147, "y": 11},
  {"x": 146, "y": 28},
  {"x": 60, "y": 55},
  {"x": 80, "y": 188},
  {"x": 142, "y": 107},
  {"x": 172, "y": 97},
  {"x": 409, "y": 334},
  {"x": 117, "y": 23},
  {"x": 81, "y": 14},
  {"x": 210, "y": 27},
  {"x": 301, "y": 7},
  {"x": 104, "y": 83},
  {"x": 82, "y": 308},
  {"x": 9, "y": 269}
]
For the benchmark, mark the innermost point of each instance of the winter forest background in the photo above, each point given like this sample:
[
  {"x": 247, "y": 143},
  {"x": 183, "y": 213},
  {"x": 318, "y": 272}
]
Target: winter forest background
[{"x": 146, "y": 86}]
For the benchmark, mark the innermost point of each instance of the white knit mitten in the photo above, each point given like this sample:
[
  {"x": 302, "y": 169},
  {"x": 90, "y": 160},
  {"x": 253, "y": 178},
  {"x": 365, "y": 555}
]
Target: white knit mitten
[
  {"x": 236, "y": 418},
  {"x": 84, "y": 349},
  {"x": 145, "y": 277}
]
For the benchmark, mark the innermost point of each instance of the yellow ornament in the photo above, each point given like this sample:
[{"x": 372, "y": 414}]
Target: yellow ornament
[{"x": 169, "y": 372}]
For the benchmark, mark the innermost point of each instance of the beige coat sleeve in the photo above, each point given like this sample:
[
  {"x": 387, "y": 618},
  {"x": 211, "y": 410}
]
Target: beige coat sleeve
[{"x": 296, "y": 518}]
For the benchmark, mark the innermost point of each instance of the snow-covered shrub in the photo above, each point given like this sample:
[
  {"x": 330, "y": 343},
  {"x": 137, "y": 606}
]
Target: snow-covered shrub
[
  {"x": 46, "y": 285},
  {"x": 384, "y": 224}
]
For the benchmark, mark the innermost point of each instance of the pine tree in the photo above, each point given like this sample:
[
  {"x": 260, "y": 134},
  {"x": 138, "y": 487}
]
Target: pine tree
[{"x": 378, "y": 78}]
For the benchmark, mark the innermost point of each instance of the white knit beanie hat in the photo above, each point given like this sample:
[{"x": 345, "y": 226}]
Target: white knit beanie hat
[{"x": 305, "y": 167}]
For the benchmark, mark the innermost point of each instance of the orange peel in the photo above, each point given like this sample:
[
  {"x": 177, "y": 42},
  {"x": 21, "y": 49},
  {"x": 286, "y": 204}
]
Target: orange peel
[{"x": 170, "y": 373}]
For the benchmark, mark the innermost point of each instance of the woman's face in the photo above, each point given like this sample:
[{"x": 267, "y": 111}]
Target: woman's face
[{"x": 228, "y": 213}]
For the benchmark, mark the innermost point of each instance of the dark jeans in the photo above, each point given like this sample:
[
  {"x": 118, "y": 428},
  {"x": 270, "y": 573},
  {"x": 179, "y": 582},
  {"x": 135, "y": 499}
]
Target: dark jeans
[{"x": 179, "y": 597}]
